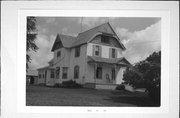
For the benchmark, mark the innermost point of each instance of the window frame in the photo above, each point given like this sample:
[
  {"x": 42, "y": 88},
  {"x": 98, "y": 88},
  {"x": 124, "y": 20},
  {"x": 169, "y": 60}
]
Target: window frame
[
  {"x": 58, "y": 54},
  {"x": 52, "y": 75},
  {"x": 99, "y": 76},
  {"x": 77, "y": 51},
  {"x": 64, "y": 74},
  {"x": 105, "y": 39},
  {"x": 113, "y": 55},
  {"x": 97, "y": 50},
  {"x": 57, "y": 71},
  {"x": 76, "y": 72},
  {"x": 39, "y": 75},
  {"x": 113, "y": 72}
]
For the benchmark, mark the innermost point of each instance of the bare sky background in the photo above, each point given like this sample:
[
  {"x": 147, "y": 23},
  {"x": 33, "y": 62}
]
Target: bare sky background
[{"x": 141, "y": 36}]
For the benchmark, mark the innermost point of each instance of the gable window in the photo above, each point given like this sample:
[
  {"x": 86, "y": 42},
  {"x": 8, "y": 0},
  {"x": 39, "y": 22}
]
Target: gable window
[
  {"x": 97, "y": 50},
  {"x": 99, "y": 72},
  {"x": 64, "y": 72},
  {"x": 57, "y": 72},
  {"x": 59, "y": 54},
  {"x": 77, "y": 51},
  {"x": 104, "y": 39},
  {"x": 76, "y": 72},
  {"x": 52, "y": 73}
]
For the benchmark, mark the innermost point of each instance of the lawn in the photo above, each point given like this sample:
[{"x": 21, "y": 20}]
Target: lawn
[{"x": 49, "y": 96}]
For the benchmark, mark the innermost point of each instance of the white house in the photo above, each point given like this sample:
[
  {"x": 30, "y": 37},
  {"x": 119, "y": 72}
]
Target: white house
[{"x": 94, "y": 59}]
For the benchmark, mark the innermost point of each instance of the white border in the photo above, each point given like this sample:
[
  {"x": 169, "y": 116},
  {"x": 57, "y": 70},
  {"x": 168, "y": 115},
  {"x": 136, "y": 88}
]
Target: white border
[
  {"x": 91, "y": 13},
  {"x": 9, "y": 35}
]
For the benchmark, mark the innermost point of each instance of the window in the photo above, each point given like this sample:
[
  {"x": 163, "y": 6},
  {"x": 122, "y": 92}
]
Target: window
[
  {"x": 57, "y": 72},
  {"x": 97, "y": 50},
  {"x": 52, "y": 73},
  {"x": 77, "y": 51},
  {"x": 76, "y": 72},
  {"x": 113, "y": 53},
  {"x": 99, "y": 72},
  {"x": 104, "y": 39},
  {"x": 65, "y": 72},
  {"x": 39, "y": 75},
  {"x": 59, "y": 54},
  {"x": 113, "y": 73},
  {"x": 43, "y": 75}
]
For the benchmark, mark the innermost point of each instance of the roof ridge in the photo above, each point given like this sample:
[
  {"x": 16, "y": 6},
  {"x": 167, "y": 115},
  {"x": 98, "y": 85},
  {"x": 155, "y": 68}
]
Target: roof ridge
[
  {"x": 93, "y": 27},
  {"x": 66, "y": 35}
]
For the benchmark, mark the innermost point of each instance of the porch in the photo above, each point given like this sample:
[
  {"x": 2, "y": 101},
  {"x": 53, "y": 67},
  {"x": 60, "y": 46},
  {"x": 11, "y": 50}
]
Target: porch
[{"x": 107, "y": 73}]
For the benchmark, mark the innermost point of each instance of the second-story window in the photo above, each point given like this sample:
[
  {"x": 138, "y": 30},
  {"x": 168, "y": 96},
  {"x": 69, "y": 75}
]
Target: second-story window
[
  {"x": 77, "y": 51},
  {"x": 59, "y": 54},
  {"x": 113, "y": 53},
  {"x": 97, "y": 50}
]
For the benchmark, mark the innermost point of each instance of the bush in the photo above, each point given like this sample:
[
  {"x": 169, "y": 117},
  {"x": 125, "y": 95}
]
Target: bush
[
  {"x": 57, "y": 85},
  {"x": 120, "y": 87},
  {"x": 71, "y": 84}
]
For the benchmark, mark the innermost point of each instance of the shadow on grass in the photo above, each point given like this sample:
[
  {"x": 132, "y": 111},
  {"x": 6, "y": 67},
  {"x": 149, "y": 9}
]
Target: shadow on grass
[{"x": 137, "y": 98}]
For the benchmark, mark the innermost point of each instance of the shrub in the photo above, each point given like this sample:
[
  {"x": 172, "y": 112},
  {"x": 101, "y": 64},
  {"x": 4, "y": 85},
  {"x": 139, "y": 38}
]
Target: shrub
[
  {"x": 71, "y": 84},
  {"x": 120, "y": 87},
  {"x": 57, "y": 85}
]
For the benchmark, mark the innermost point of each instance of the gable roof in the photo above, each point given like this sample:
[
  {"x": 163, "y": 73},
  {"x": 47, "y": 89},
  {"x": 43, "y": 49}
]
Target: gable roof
[
  {"x": 65, "y": 40},
  {"x": 84, "y": 37}
]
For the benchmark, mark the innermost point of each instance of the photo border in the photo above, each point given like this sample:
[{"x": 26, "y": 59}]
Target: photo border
[
  {"x": 11, "y": 17},
  {"x": 21, "y": 68}
]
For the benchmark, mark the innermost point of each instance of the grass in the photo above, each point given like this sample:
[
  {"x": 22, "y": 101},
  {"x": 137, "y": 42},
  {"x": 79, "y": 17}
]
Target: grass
[{"x": 49, "y": 96}]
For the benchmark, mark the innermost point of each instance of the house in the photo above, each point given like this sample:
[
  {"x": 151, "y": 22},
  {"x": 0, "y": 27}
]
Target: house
[
  {"x": 32, "y": 77},
  {"x": 94, "y": 59}
]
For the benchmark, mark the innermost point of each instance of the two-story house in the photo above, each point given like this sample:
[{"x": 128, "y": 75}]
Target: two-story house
[{"x": 94, "y": 59}]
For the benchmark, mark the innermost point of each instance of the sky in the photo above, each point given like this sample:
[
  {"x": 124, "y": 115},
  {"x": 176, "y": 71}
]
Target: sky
[{"x": 141, "y": 36}]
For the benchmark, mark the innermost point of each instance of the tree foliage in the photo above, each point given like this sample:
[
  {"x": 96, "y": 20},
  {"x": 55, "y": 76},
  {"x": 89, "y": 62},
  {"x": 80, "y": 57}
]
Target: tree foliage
[
  {"x": 146, "y": 74},
  {"x": 30, "y": 38}
]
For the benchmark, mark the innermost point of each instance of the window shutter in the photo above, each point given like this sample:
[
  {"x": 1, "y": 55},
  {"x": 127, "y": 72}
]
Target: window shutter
[
  {"x": 100, "y": 51},
  {"x": 110, "y": 52},
  {"x": 93, "y": 50},
  {"x": 115, "y": 53}
]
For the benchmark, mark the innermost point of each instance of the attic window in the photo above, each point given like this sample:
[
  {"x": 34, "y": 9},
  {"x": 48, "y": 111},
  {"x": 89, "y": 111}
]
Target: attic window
[{"x": 104, "y": 39}]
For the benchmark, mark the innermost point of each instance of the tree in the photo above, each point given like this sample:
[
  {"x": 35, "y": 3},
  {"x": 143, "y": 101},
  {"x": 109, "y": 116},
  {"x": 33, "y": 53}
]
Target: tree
[
  {"x": 146, "y": 74},
  {"x": 30, "y": 38}
]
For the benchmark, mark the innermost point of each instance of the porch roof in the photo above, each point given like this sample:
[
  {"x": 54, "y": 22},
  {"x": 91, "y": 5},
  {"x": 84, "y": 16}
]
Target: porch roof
[
  {"x": 119, "y": 61},
  {"x": 45, "y": 68}
]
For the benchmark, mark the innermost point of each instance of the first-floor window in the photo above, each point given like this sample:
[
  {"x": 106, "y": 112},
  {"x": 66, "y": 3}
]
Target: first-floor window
[
  {"x": 39, "y": 75},
  {"x": 113, "y": 73},
  {"x": 99, "y": 72},
  {"x": 57, "y": 72},
  {"x": 76, "y": 72},
  {"x": 64, "y": 72},
  {"x": 52, "y": 73}
]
